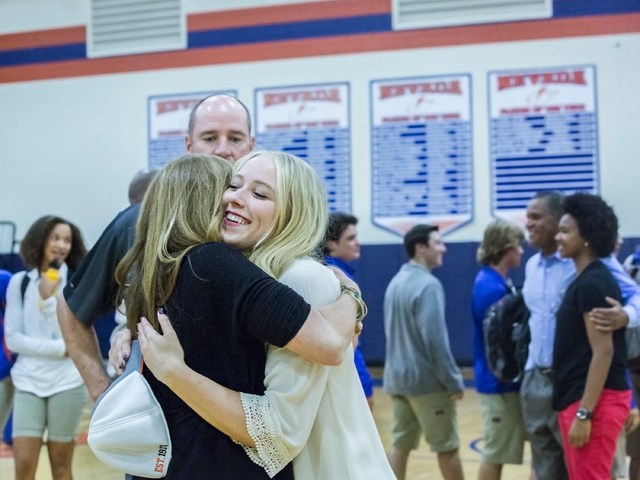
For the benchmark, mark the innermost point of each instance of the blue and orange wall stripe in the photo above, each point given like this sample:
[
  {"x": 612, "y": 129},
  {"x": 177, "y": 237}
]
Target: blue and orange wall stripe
[{"x": 292, "y": 31}]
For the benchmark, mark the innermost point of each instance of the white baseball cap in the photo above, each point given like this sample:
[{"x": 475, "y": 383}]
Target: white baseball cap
[{"x": 127, "y": 429}]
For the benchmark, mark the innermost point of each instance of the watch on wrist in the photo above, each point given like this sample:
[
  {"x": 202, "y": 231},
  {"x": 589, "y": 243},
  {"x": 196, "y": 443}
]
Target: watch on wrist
[{"x": 583, "y": 414}]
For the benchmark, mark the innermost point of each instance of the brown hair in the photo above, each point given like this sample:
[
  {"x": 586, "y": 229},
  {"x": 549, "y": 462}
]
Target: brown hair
[
  {"x": 34, "y": 241},
  {"x": 499, "y": 236}
]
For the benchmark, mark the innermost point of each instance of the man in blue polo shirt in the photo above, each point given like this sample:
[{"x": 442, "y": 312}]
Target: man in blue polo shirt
[{"x": 341, "y": 247}]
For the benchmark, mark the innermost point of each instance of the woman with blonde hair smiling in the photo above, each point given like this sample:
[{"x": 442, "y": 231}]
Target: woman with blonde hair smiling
[
  {"x": 223, "y": 309},
  {"x": 275, "y": 212}
]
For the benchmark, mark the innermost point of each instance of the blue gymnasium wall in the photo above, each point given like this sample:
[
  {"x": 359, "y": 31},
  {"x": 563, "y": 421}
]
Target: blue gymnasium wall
[{"x": 379, "y": 263}]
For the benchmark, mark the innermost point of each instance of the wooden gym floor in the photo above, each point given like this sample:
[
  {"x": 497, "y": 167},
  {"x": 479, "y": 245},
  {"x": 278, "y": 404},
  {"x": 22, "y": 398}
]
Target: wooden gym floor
[{"x": 422, "y": 463}]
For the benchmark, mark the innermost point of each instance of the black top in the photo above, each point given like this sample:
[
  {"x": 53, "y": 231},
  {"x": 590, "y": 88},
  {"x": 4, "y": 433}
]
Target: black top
[
  {"x": 223, "y": 309},
  {"x": 571, "y": 350},
  {"x": 93, "y": 288}
]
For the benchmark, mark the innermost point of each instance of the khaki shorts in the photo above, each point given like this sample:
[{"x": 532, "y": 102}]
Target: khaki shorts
[
  {"x": 59, "y": 414},
  {"x": 503, "y": 428},
  {"x": 433, "y": 415},
  {"x": 633, "y": 439}
]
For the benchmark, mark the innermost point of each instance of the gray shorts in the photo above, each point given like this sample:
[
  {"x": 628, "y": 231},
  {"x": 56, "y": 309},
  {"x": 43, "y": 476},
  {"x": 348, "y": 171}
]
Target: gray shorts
[
  {"x": 503, "y": 428},
  {"x": 433, "y": 414},
  {"x": 59, "y": 414},
  {"x": 541, "y": 425}
]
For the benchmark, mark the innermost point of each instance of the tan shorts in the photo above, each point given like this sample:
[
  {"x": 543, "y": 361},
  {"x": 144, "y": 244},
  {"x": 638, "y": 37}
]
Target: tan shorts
[
  {"x": 633, "y": 439},
  {"x": 503, "y": 428},
  {"x": 433, "y": 415},
  {"x": 59, "y": 414}
]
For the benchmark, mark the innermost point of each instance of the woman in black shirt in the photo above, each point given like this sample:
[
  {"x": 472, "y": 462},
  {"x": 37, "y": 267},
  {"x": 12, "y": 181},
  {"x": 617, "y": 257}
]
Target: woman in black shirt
[{"x": 590, "y": 391}]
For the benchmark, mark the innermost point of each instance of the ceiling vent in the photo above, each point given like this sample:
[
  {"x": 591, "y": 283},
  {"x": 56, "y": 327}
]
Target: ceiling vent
[
  {"x": 408, "y": 14},
  {"x": 122, "y": 27}
]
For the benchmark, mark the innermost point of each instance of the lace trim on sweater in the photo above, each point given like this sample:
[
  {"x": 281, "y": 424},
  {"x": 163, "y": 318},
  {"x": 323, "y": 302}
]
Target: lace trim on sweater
[{"x": 270, "y": 453}]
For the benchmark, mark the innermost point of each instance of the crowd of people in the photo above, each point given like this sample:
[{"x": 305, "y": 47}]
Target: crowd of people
[
  {"x": 251, "y": 342},
  {"x": 574, "y": 397}
]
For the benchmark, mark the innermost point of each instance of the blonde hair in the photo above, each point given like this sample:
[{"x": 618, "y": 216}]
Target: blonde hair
[
  {"x": 301, "y": 214},
  {"x": 499, "y": 236},
  {"x": 181, "y": 209}
]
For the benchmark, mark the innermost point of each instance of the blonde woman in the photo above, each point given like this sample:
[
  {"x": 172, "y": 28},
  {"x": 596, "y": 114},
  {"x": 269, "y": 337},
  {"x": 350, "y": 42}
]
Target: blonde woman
[
  {"x": 223, "y": 310},
  {"x": 276, "y": 212}
]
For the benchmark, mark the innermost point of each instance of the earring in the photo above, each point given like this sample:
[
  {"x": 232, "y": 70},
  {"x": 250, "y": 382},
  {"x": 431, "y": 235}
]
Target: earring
[{"x": 586, "y": 244}]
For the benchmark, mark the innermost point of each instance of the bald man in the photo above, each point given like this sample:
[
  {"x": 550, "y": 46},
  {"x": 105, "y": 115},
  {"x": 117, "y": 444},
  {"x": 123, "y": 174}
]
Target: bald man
[{"x": 218, "y": 125}]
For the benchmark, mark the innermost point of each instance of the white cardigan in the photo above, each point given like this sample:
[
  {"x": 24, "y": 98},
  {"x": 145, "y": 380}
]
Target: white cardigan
[
  {"x": 32, "y": 331},
  {"x": 315, "y": 415}
]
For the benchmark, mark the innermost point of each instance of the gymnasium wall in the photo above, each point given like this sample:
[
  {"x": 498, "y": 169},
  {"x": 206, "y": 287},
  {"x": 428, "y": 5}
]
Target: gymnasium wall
[{"x": 73, "y": 130}]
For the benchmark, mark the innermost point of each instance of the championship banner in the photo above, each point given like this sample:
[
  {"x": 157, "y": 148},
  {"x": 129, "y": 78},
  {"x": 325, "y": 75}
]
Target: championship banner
[
  {"x": 311, "y": 122},
  {"x": 543, "y": 135},
  {"x": 421, "y": 152}
]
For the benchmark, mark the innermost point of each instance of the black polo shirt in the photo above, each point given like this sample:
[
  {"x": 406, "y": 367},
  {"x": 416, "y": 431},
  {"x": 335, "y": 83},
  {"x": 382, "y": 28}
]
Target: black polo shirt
[{"x": 92, "y": 289}]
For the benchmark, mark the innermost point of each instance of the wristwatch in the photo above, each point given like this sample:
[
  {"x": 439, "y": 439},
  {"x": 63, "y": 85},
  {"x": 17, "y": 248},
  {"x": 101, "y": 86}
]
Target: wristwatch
[{"x": 583, "y": 414}]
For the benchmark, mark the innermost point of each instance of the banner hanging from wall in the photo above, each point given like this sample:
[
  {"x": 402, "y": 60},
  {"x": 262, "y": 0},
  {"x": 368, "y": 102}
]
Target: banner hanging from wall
[
  {"x": 421, "y": 152},
  {"x": 543, "y": 135},
  {"x": 168, "y": 117},
  {"x": 312, "y": 122}
]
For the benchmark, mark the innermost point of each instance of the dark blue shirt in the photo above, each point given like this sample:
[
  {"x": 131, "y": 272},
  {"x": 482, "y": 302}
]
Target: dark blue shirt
[{"x": 358, "y": 356}]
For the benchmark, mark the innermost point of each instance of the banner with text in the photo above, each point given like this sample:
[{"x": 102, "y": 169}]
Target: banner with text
[
  {"x": 543, "y": 135},
  {"x": 421, "y": 152},
  {"x": 312, "y": 122}
]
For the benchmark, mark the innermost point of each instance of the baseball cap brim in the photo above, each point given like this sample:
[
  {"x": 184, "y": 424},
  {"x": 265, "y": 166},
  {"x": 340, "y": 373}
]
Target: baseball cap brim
[{"x": 127, "y": 428}]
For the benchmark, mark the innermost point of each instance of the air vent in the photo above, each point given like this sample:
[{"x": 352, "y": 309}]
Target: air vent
[
  {"x": 408, "y": 14},
  {"x": 121, "y": 27}
]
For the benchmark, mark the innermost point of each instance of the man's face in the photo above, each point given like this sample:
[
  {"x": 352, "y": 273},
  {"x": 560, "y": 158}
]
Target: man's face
[
  {"x": 435, "y": 251},
  {"x": 220, "y": 128},
  {"x": 347, "y": 247},
  {"x": 542, "y": 226}
]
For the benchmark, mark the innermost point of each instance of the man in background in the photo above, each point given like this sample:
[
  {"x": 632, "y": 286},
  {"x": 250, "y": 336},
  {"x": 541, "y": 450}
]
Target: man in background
[
  {"x": 631, "y": 265},
  {"x": 140, "y": 183},
  {"x": 113, "y": 321},
  {"x": 420, "y": 372},
  {"x": 341, "y": 247},
  {"x": 218, "y": 125}
]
